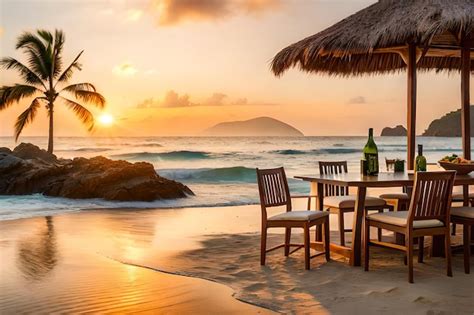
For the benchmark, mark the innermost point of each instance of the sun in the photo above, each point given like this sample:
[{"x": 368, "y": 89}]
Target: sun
[{"x": 106, "y": 119}]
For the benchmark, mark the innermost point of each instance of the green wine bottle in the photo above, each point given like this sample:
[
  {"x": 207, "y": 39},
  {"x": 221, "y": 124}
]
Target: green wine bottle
[
  {"x": 371, "y": 155},
  {"x": 420, "y": 161}
]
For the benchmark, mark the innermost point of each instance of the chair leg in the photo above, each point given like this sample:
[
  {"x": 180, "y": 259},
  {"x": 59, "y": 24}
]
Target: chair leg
[
  {"x": 421, "y": 248},
  {"x": 366, "y": 245},
  {"x": 306, "y": 248},
  {"x": 410, "y": 258},
  {"x": 263, "y": 246},
  {"x": 379, "y": 230},
  {"x": 287, "y": 241},
  {"x": 467, "y": 247},
  {"x": 454, "y": 229},
  {"x": 341, "y": 229},
  {"x": 447, "y": 242},
  {"x": 327, "y": 246}
]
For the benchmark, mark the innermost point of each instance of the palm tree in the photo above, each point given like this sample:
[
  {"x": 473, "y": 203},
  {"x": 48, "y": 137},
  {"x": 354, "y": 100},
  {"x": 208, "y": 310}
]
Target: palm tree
[{"x": 45, "y": 80}]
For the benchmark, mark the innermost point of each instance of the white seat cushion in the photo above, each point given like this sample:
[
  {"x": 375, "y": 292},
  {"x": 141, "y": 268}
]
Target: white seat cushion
[
  {"x": 397, "y": 196},
  {"x": 400, "y": 218},
  {"x": 349, "y": 201},
  {"x": 299, "y": 216},
  {"x": 460, "y": 197},
  {"x": 464, "y": 212}
]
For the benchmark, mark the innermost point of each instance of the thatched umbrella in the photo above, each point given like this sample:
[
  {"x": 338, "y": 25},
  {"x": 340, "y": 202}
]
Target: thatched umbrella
[{"x": 391, "y": 36}]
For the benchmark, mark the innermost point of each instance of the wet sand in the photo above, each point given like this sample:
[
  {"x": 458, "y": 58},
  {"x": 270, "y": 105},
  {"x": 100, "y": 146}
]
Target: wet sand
[
  {"x": 62, "y": 265},
  {"x": 118, "y": 261}
]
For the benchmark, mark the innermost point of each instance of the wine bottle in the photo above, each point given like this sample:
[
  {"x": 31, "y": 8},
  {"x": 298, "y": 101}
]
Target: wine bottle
[
  {"x": 420, "y": 161},
  {"x": 371, "y": 155}
]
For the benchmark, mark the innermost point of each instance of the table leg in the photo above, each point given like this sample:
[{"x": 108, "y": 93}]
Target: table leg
[
  {"x": 356, "y": 253},
  {"x": 320, "y": 206}
]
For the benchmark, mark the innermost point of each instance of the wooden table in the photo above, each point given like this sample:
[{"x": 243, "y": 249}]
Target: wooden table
[{"x": 361, "y": 183}]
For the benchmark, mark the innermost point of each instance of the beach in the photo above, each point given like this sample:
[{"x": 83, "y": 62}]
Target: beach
[{"x": 203, "y": 260}]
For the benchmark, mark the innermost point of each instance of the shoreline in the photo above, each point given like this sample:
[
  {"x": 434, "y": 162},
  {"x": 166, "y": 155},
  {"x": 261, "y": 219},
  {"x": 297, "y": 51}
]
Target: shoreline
[{"x": 222, "y": 247}]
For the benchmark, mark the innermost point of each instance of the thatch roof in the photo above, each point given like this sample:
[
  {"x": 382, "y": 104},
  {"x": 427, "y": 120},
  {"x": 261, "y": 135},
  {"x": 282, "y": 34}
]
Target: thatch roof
[{"x": 370, "y": 41}]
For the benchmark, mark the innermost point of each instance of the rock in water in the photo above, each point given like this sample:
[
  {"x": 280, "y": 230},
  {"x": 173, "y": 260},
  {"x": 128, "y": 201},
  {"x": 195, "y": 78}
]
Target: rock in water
[
  {"x": 260, "y": 127},
  {"x": 398, "y": 131},
  {"x": 28, "y": 151},
  {"x": 28, "y": 170},
  {"x": 449, "y": 125}
]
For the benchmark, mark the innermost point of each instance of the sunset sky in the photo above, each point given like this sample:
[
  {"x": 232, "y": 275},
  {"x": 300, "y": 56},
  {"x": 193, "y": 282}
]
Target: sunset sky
[{"x": 177, "y": 67}]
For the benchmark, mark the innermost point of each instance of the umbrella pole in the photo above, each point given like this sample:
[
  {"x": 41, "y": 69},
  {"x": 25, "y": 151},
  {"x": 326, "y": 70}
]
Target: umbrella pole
[
  {"x": 465, "y": 106},
  {"x": 411, "y": 105},
  {"x": 465, "y": 97}
]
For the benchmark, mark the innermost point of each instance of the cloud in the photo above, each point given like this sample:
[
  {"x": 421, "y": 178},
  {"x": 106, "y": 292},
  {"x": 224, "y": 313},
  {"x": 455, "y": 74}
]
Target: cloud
[
  {"x": 134, "y": 15},
  {"x": 125, "y": 70},
  {"x": 173, "y": 100},
  {"x": 240, "y": 101},
  {"x": 171, "y": 12},
  {"x": 357, "y": 100},
  {"x": 216, "y": 99}
]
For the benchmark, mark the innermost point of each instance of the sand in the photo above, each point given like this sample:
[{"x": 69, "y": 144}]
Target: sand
[{"x": 144, "y": 260}]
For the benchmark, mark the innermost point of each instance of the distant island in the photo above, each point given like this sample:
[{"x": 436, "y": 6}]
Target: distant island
[
  {"x": 398, "y": 131},
  {"x": 449, "y": 125},
  {"x": 261, "y": 126}
]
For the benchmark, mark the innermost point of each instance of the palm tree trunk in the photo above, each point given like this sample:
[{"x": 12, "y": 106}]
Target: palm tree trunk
[{"x": 51, "y": 127}]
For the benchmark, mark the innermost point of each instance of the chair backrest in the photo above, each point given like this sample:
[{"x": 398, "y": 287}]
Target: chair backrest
[
  {"x": 431, "y": 197},
  {"x": 273, "y": 189},
  {"x": 328, "y": 168}
]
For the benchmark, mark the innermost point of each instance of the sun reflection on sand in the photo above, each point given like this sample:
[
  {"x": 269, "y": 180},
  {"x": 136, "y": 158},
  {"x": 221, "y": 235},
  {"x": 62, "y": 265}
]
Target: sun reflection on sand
[{"x": 82, "y": 255}]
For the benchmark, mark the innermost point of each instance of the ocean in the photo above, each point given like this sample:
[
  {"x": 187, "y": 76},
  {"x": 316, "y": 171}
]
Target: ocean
[{"x": 220, "y": 170}]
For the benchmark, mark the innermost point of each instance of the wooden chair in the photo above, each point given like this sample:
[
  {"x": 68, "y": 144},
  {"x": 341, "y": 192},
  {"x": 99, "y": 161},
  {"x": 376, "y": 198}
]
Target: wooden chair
[
  {"x": 428, "y": 215},
  {"x": 459, "y": 197},
  {"x": 401, "y": 200},
  {"x": 338, "y": 200},
  {"x": 274, "y": 192},
  {"x": 464, "y": 216}
]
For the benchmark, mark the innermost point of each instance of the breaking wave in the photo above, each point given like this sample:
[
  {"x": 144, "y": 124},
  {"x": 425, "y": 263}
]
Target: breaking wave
[
  {"x": 224, "y": 174},
  {"x": 169, "y": 156}
]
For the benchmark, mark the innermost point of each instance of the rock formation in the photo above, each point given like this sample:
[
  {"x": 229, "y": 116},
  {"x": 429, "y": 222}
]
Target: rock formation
[
  {"x": 261, "y": 126},
  {"x": 449, "y": 125},
  {"x": 28, "y": 170},
  {"x": 398, "y": 131}
]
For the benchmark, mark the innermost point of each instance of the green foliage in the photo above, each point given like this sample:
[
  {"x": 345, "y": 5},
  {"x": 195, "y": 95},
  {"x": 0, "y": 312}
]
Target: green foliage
[{"x": 43, "y": 73}]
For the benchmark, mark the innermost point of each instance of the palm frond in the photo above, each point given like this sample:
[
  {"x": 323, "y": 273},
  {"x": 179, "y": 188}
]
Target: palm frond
[
  {"x": 59, "y": 39},
  {"x": 27, "y": 116},
  {"x": 79, "y": 87},
  {"x": 45, "y": 35},
  {"x": 38, "y": 57},
  {"x": 12, "y": 94},
  {"x": 90, "y": 97},
  {"x": 81, "y": 112},
  {"x": 26, "y": 73},
  {"x": 67, "y": 73},
  {"x": 28, "y": 39}
]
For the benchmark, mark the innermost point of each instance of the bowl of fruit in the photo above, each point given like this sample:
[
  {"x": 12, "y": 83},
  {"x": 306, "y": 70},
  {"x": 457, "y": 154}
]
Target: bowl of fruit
[{"x": 456, "y": 163}]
